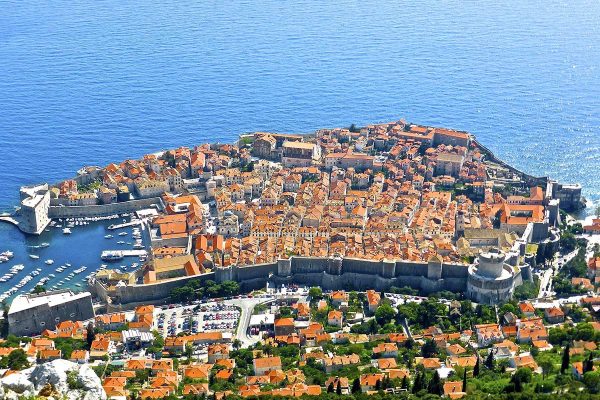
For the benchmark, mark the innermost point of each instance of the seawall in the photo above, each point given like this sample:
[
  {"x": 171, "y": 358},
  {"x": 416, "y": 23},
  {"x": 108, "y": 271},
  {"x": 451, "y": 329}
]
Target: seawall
[{"x": 103, "y": 210}]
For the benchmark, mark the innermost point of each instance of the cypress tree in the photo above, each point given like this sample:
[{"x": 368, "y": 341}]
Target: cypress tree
[
  {"x": 588, "y": 365},
  {"x": 476, "y": 368},
  {"x": 435, "y": 385},
  {"x": 378, "y": 384},
  {"x": 338, "y": 390},
  {"x": 489, "y": 361},
  {"x": 330, "y": 388},
  {"x": 405, "y": 383},
  {"x": 418, "y": 384},
  {"x": 566, "y": 360},
  {"x": 356, "y": 386},
  {"x": 464, "y": 385}
]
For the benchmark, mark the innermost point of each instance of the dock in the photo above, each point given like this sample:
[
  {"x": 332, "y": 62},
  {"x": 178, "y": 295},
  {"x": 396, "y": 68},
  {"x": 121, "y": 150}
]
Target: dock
[
  {"x": 118, "y": 254},
  {"x": 125, "y": 224}
]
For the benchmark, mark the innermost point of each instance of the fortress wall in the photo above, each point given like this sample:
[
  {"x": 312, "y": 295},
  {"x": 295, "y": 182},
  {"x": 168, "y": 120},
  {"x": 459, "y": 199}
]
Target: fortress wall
[
  {"x": 409, "y": 268},
  {"x": 102, "y": 210},
  {"x": 351, "y": 265},
  {"x": 308, "y": 264},
  {"x": 155, "y": 291},
  {"x": 258, "y": 271},
  {"x": 455, "y": 271}
]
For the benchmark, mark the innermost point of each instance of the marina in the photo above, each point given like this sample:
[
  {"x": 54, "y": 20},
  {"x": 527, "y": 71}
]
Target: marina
[{"x": 48, "y": 260}]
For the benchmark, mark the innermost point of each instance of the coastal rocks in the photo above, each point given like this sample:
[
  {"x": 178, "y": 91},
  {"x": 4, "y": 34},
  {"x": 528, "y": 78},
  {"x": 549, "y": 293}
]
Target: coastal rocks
[
  {"x": 55, "y": 379},
  {"x": 18, "y": 383}
]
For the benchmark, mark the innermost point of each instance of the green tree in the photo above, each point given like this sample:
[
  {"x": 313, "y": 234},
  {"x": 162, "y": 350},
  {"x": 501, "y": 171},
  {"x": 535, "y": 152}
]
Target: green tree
[
  {"x": 338, "y": 389},
  {"x": 429, "y": 349},
  {"x": 330, "y": 388},
  {"x": 404, "y": 383},
  {"x": 91, "y": 334},
  {"x": 385, "y": 313},
  {"x": 566, "y": 360},
  {"x": 39, "y": 289},
  {"x": 356, "y": 386},
  {"x": 17, "y": 360},
  {"x": 435, "y": 385},
  {"x": 476, "y": 368},
  {"x": 315, "y": 293},
  {"x": 489, "y": 361},
  {"x": 464, "y": 383}
]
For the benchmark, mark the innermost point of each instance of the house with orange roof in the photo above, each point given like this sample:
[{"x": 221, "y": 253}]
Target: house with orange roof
[
  {"x": 339, "y": 299},
  {"x": 527, "y": 308},
  {"x": 454, "y": 389},
  {"x": 554, "y": 315},
  {"x": 455, "y": 350},
  {"x": 101, "y": 348},
  {"x": 373, "y": 300},
  {"x": 284, "y": 326},
  {"x": 115, "y": 386},
  {"x": 336, "y": 363},
  {"x": 217, "y": 351},
  {"x": 265, "y": 364},
  {"x": 70, "y": 329},
  {"x": 385, "y": 363},
  {"x": 386, "y": 350},
  {"x": 155, "y": 393},
  {"x": 48, "y": 355},
  {"x": 429, "y": 363},
  {"x": 370, "y": 382},
  {"x": 335, "y": 318},
  {"x": 523, "y": 361},
  {"x": 197, "y": 371},
  {"x": 341, "y": 381},
  {"x": 197, "y": 389},
  {"x": 80, "y": 356},
  {"x": 463, "y": 362},
  {"x": 488, "y": 334},
  {"x": 111, "y": 321}
]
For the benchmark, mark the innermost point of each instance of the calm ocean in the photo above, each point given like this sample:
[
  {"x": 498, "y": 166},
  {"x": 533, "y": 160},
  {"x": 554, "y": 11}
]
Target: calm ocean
[{"x": 90, "y": 82}]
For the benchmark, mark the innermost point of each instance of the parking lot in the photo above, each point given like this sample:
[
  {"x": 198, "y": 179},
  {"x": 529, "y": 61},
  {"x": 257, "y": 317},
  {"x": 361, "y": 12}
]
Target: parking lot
[{"x": 207, "y": 317}]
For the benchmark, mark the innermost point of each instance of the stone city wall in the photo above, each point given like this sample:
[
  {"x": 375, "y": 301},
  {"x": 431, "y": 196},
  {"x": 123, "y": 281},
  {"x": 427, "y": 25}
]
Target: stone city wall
[{"x": 102, "y": 210}]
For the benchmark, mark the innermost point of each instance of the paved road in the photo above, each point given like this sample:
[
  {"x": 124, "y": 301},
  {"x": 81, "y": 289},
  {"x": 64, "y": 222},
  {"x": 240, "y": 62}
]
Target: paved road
[
  {"x": 547, "y": 275},
  {"x": 247, "y": 307}
]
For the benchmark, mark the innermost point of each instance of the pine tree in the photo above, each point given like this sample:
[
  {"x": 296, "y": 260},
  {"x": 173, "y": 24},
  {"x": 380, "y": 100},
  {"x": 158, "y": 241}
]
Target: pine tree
[
  {"x": 566, "y": 360},
  {"x": 338, "y": 390},
  {"x": 356, "y": 386},
  {"x": 476, "y": 368},
  {"x": 330, "y": 388},
  {"x": 464, "y": 385},
  {"x": 435, "y": 385},
  {"x": 378, "y": 384}
]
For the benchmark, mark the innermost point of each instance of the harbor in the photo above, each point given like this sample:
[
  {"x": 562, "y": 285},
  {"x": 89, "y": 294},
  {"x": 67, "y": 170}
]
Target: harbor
[{"x": 59, "y": 259}]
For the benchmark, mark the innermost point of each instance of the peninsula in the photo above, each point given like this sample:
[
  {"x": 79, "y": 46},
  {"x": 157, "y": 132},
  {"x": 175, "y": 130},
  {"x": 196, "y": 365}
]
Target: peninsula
[{"x": 297, "y": 265}]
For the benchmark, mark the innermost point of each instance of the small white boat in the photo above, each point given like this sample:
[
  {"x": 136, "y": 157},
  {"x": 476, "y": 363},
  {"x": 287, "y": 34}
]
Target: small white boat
[
  {"x": 122, "y": 233},
  {"x": 49, "y": 262},
  {"x": 34, "y": 256},
  {"x": 108, "y": 236},
  {"x": 44, "y": 245},
  {"x": 67, "y": 231}
]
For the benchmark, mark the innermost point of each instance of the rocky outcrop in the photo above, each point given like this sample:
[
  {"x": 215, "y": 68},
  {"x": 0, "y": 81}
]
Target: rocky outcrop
[{"x": 55, "y": 379}]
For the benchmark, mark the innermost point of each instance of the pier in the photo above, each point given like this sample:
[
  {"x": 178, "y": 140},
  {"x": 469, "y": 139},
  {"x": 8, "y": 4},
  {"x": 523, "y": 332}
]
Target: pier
[
  {"x": 9, "y": 219},
  {"x": 113, "y": 255},
  {"x": 125, "y": 224}
]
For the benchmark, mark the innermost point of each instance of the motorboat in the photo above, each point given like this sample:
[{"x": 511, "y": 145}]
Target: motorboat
[
  {"x": 67, "y": 231},
  {"x": 49, "y": 261},
  {"x": 34, "y": 256}
]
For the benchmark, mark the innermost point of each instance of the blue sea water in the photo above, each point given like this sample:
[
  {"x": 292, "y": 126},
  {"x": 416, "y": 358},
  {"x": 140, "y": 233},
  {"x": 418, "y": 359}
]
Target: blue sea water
[{"x": 91, "y": 82}]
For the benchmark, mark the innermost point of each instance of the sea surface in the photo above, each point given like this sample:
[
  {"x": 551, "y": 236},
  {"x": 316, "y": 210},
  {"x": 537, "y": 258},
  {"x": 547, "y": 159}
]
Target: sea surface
[{"x": 90, "y": 82}]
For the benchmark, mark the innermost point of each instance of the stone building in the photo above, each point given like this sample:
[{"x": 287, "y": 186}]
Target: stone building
[
  {"x": 30, "y": 314},
  {"x": 491, "y": 280}
]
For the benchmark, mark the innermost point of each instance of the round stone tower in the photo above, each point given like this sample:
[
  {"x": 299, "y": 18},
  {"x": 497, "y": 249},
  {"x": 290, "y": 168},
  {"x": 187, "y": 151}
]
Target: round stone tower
[{"x": 491, "y": 264}]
